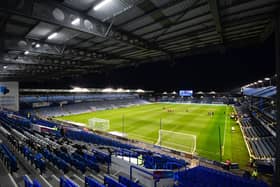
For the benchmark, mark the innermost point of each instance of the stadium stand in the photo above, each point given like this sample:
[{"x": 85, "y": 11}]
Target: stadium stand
[
  {"x": 199, "y": 99},
  {"x": 90, "y": 106},
  {"x": 259, "y": 139},
  {"x": 45, "y": 149},
  {"x": 36, "y": 149},
  {"x": 8, "y": 158},
  {"x": 201, "y": 176},
  {"x": 29, "y": 99},
  {"x": 258, "y": 121},
  {"x": 264, "y": 92}
]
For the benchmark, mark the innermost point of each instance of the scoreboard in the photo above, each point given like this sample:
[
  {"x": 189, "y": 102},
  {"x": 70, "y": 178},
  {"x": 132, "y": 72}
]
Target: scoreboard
[{"x": 187, "y": 93}]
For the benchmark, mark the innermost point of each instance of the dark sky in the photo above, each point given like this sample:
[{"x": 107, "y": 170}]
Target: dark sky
[{"x": 216, "y": 71}]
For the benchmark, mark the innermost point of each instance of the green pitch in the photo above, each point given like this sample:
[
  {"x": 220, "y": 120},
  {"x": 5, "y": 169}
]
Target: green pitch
[{"x": 143, "y": 123}]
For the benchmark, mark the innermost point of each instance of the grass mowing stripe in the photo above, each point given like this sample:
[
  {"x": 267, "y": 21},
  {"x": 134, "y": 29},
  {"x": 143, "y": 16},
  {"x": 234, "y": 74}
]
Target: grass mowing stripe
[{"x": 225, "y": 127}]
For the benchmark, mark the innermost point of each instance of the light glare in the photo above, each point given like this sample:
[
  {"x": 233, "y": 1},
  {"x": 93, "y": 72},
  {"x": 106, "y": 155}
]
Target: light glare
[
  {"x": 76, "y": 21},
  {"x": 52, "y": 35},
  {"x": 101, "y": 4}
]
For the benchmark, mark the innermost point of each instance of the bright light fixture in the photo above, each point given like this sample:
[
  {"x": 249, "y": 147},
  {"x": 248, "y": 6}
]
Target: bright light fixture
[
  {"x": 140, "y": 91},
  {"x": 260, "y": 81},
  {"x": 5, "y": 67},
  {"x": 76, "y": 21},
  {"x": 78, "y": 89},
  {"x": 101, "y": 4},
  {"x": 52, "y": 35},
  {"x": 266, "y": 79},
  {"x": 120, "y": 90},
  {"x": 108, "y": 90},
  {"x": 37, "y": 45},
  {"x": 26, "y": 52}
]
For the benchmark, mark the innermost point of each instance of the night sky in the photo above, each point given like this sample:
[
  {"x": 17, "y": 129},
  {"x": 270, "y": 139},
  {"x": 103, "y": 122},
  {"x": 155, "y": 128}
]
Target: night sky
[{"x": 215, "y": 71}]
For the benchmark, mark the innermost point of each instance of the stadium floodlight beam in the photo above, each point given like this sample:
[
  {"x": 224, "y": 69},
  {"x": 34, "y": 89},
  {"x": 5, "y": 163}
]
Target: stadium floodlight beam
[
  {"x": 53, "y": 35},
  {"x": 76, "y": 21},
  {"x": 101, "y": 4}
]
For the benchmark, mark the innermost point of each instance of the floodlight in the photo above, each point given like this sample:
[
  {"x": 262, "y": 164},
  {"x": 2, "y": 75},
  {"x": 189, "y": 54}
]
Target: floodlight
[
  {"x": 5, "y": 67},
  {"x": 140, "y": 91},
  {"x": 260, "y": 81},
  {"x": 107, "y": 90},
  {"x": 37, "y": 45},
  {"x": 26, "y": 52},
  {"x": 76, "y": 21},
  {"x": 78, "y": 89},
  {"x": 267, "y": 79},
  {"x": 101, "y": 4},
  {"x": 52, "y": 35},
  {"x": 120, "y": 90}
]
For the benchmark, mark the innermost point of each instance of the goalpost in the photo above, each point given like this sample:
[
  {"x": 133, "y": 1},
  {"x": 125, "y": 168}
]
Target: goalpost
[
  {"x": 99, "y": 124},
  {"x": 178, "y": 141}
]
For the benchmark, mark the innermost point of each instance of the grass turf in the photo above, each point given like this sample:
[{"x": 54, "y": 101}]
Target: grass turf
[{"x": 143, "y": 123}]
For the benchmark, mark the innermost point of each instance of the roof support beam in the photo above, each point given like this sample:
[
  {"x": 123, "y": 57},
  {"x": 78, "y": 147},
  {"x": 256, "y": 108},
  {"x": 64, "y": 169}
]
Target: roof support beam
[
  {"x": 12, "y": 43},
  {"x": 153, "y": 11},
  {"x": 174, "y": 15},
  {"x": 150, "y": 6},
  {"x": 57, "y": 14},
  {"x": 214, "y": 9}
]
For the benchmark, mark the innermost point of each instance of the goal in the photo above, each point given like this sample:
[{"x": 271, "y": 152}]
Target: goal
[
  {"x": 178, "y": 141},
  {"x": 99, "y": 124}
]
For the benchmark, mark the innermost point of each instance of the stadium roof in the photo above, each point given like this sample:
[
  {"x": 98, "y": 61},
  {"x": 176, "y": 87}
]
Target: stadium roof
[{"x": 61, "y": 38}]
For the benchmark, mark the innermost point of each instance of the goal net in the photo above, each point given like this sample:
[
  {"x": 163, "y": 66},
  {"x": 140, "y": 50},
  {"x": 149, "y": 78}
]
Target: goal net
[
  {"x": 99, "y": 124},
  {"x": 182, "y": 142}
]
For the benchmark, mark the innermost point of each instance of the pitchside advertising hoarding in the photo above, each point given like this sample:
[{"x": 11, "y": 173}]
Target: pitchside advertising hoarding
[
  {"x": 186, "y": 93},
  {"x": 9, "y": 96}
]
